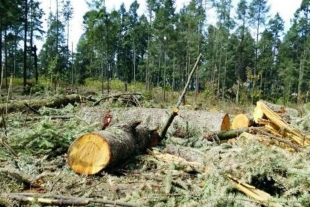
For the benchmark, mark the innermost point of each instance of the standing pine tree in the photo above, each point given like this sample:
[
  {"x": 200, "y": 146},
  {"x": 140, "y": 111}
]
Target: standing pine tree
[{"x": 258, "y": 15}]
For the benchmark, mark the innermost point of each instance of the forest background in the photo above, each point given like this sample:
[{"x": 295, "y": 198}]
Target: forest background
[{"x": 246, "y": 52}]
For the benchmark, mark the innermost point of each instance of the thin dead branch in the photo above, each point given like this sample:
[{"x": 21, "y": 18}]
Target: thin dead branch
[{"x": 62, "y": 200}]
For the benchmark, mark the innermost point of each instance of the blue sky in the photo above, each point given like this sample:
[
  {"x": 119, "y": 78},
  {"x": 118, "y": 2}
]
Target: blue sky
[{"x": 286, "y": 9}]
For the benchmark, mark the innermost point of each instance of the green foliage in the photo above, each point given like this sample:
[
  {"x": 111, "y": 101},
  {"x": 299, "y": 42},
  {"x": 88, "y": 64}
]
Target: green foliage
[
  {"x": 46, "y": 136},
  {"x": 93, "y": 83}
]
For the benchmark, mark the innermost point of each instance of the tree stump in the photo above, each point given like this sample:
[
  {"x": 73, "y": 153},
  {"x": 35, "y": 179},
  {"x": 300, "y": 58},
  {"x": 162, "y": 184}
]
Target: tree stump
[{"x": 92, "y": 152}]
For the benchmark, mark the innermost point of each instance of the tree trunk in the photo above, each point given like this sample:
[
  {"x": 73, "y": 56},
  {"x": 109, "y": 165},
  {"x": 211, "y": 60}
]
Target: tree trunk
[
  {"x": 93, "y": 152},
  {"x": 0, "y": 52},
  {"x": 36, "y": 63},
  {"x": 6, "y": 59},
  {"x": 25, "y": 44},
  {"x": 301, "y": 75}
]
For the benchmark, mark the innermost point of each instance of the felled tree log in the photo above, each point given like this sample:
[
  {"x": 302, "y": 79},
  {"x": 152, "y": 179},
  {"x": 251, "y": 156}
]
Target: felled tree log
[
  {"x": 204, "y": 121},
  {"x": 93, "y": 152},
  {"x": 54, "y": 102},
  {"x": 241, "y": 121}
]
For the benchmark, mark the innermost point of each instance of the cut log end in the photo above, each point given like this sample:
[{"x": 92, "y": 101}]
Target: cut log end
[
  {"x": 89, "y": 154},
  {"x": 241, "y": 121},
  {"x": 225, "y": 123}
]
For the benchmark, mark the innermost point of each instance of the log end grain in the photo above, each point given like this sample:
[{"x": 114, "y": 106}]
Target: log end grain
[
  {"x": 225, "y": 125},
  {"x": 89, "y": 154},
  {"x": 241, "y": 121}
]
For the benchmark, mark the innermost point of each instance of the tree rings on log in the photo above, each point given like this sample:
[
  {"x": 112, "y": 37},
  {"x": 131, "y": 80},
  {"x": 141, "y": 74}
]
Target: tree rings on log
[
  {"x": 241, "y": 121},
  {"x": 89, "y": 154},
  {"x": 224, "y": 122},
  {"x": 92, "y": 152}
]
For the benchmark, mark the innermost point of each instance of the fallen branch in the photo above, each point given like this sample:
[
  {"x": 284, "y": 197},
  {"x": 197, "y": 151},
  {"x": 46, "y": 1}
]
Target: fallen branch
[
  {"x": 226, "y": 135},
  {"x": 54, "y": 102},
  {"x": 170, "y": 120},
  {"x": 63, "y": 117},
  {"x": 32, "y": 109},
  {"x": 7, "y": 146},
  {"x": 63, "y": 201}
]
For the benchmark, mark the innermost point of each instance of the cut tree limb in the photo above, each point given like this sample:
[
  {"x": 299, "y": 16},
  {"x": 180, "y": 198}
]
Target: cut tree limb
[
  {"x": 226, "y": 135},
  {"x": 93, "y": 152},
  {"x": 174, "y": 113},
  {"x": 169, "y": 122},
  {"x": 62, "y": 200}
]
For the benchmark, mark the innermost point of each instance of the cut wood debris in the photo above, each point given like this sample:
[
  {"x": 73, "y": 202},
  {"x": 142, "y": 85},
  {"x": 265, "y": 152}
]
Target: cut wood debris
[
  {"x": 136, "y": 160},
  {"x": 259, "y": 195},
  {"x": 278, "y": 126}
]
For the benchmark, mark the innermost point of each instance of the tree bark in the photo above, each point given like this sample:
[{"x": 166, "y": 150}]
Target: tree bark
[
  {"x": 226, "y": 135},
  {"x": 93, "y": 152},
  {"x": 25, "y": 45},
  {"x": 201, "y": 120}
]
